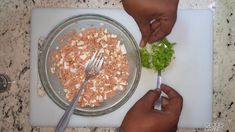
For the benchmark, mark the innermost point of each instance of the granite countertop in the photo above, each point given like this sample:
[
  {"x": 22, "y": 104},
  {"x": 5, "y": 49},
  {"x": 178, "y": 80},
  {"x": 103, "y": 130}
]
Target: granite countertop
[{"x": 15, "y": 23}]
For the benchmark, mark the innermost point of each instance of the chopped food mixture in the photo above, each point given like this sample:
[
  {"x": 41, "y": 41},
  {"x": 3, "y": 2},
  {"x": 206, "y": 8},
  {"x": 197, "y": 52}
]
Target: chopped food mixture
[{"x": 71, "y": 58}]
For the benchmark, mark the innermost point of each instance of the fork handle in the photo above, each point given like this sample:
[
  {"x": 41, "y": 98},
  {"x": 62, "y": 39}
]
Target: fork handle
[
  {"x": 159, "y": 82},
  {"x": 159, "y": 79},
  {"x": 64, "y": 120}
]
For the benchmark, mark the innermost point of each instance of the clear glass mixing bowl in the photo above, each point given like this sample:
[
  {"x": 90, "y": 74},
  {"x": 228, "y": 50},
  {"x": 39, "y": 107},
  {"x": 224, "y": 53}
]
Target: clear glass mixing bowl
[{"x": 51, "y": 82}]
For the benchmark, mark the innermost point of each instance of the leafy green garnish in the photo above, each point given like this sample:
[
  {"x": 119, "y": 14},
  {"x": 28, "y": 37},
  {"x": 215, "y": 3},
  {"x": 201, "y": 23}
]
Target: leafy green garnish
[
  {"x": 158, "y": 56},
  {"x": 145, "y": 57}
]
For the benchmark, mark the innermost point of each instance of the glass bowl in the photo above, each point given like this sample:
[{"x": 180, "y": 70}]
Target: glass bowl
[{"x": 51, "y": 82}]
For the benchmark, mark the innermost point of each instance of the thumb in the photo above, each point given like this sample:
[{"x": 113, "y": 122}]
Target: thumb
[
  {"x": 150, "y": 98},
  {"x": 145, "y": 30}
]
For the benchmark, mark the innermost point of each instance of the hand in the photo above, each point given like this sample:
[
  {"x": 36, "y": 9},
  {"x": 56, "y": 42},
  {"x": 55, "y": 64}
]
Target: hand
[
  {"x": 155, "y": 18},
  {"x": 142, "y": 117}
]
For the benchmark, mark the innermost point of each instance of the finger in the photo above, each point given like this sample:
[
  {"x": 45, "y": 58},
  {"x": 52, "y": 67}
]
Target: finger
[
  {"x": 143, "y": 43},
  {"x": 175, "y": 99},
  {"x": 156, "y": 35},
  {"x": 171, "y": 93},
  {"x": 155, "y": 25},
  {"x": 164, "y": 28},
  {"x": 164, "y": 103},
  {"x": 150, "y": 98},
  {"x": 144, "y": 27}
]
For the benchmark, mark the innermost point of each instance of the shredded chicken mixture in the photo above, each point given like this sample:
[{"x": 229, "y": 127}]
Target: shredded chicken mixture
[{"x": 71, "y": 58}]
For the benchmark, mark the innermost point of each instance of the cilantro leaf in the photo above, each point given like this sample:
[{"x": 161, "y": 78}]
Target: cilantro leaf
[{"x": 159, "y": 56}]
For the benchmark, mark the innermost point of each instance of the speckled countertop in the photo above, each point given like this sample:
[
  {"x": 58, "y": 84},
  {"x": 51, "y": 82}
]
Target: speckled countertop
[{"x": 14, "y": 60}]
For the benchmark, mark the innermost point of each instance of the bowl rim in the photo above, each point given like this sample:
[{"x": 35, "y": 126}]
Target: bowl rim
[{"x": 42, "y": 63}]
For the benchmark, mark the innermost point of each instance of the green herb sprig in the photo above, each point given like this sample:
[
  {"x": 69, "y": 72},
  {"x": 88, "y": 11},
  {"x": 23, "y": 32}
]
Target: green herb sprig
[{"x": 158, "y": 55}]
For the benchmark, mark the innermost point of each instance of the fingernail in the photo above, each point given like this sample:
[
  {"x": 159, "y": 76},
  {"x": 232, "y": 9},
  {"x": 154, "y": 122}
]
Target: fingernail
[
  {"x": 142, "y": 43},
  {"x": 162, "y": 85},
  {"x": 158, "y": 89}
]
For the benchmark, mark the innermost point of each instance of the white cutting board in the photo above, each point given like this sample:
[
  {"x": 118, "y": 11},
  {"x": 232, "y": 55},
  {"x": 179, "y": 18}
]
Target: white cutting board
[{"x": 190, "y": 73}]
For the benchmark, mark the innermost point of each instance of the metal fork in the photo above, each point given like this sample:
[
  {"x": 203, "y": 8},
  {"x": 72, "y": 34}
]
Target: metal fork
[
  {"x": 92, "y": 69},
  {"x": 159, "y": 82}
]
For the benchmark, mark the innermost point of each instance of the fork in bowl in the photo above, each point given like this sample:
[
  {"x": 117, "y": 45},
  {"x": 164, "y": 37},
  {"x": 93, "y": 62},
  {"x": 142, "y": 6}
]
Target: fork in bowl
[{"x": 92, "y": 69}]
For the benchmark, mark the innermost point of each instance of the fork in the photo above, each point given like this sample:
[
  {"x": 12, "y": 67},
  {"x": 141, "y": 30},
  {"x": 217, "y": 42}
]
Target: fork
[
  {"x": 159, "y": 82},
  {"x": 92, "y": 69}
]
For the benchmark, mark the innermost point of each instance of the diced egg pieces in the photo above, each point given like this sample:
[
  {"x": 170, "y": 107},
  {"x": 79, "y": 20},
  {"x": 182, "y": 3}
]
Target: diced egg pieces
[
  {"x": 83, "y": 57},
  {"x": 93, "y": 101},
  {"x": 100, "y": 98},
  {"x": 73, "y": 70},
  {"x": 123, "y": 49},
  {"x": 66, "y": 65},
  {"x": 73, "y": 43},
  {"x": 66, "y": 90},
  {"x": 113, "y": 36},
  {"x": 53, "y": 70},
  {"x": 74, "y": 55},
  {"x": 102, "y": 50},
  {"x": 79, "y": 43},
  {"x": 93, "y": 89},
  {"x": 118, "y": 87},
  {"x": 107, "y": 52},
  {"x": 96, "y": 35},
  {"x": 105, "y": 30}
]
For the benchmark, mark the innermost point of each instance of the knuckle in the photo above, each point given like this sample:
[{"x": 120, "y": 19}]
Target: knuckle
[
  {"x": 168, "y": 30},
  {"x": 155, "y": 38},
  {"x": 180, "y": 99},
  {"x": 145, "y": 32},
  {"x": 174, "y": 118},
  {"x": 150, "y": 92}
]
